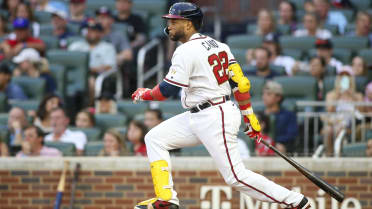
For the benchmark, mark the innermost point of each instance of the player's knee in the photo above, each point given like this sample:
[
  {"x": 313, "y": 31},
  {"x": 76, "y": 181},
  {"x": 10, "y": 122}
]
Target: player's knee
[{"x": 231, "y": 181}]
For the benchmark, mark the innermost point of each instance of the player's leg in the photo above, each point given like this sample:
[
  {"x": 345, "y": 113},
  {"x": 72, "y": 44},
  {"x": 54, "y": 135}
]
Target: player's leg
[
  {"x": 171, "y": 134},
  {"x": 219, "y": 137}
]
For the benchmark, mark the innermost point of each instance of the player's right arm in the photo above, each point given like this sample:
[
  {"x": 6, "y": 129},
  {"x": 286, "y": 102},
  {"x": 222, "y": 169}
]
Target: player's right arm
[{"x": 241, "y": 86}]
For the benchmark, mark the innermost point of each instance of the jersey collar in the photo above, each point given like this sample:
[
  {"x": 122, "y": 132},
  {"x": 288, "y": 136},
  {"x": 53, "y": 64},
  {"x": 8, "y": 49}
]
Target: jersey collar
[{"x": 196, "y": 36}]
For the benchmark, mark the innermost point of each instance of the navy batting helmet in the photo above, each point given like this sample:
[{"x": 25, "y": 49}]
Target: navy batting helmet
[{"x": 186, "y": 11}]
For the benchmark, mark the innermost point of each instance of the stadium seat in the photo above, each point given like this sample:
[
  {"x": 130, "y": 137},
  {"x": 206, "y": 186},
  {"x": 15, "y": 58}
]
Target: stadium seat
[
  {"x": 156, "y": 27},
  {"x": 107, "y": 121},
  {"x": 50, "y": 41},
  {"x": 46, "y": 29},
  {"x": 4, "y": 119},
  {"x": 297, "y": 54},
  {"x": 244, "y": 41},
  {"x": 349, "y": 42},
  {"x": 307, "y": 90},
  {"x": 42, "y": 17},
  {"x": 73, "y": 39},
  {"x": 329, "y": 84},
  {"x": 93, "y": 148},
  {"x": 76, "y": 64},
  {"x": 366, "y": 54},
  {"x": 280, "y": 28},
  {"x": 27, "y": 104},
  {"x": 361, "y": 4},
  {"x": 3, "y": 103},
  {"x": 361, "y": 83},
  {"x": 258, "y": 105},
  {"x": 58, "y": 72},
  {"x": 130, "y": 109},
  {"x": 93, "y": 5},
  {"x": 239, "y": 55},
  {"x": 122, "y": 130},
  {"x": 198, "y": 150},
  {"x": 332, "y": 28},
  {"x": 257, "y": 84},
  {"x": 278, "y": 69},
  {"x": 156, "y": 8},
  {"x": 67, "y": 149},
  {"x": 249, "y": 142},
  {"x": 350, "y": 27},
  {"x": 171, "y": 106},
  {"x": 93, "y": 134},
  {"x": 343, "y": 55},
  {"x": 34, "y": 88},
  {"x": 354, "y": 150},
  {"x": 303, "y": 43},
  {"x": 74, "y": 28}
]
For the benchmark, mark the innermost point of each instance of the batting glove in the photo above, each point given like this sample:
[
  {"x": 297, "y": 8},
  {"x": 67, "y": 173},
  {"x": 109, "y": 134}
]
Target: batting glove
[
  {"x": 138, "y": 94},
  {"x": 253, "y": 129}
]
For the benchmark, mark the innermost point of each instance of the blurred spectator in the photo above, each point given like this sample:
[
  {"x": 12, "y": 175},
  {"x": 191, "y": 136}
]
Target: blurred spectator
[
  {"x": 369, "y": 148},
  {"x": 262, "y": 68},
  {"x": 42, "y": 117},
  {"x": 260, "y": 149},
  {"x": 32, "y": 65},
  {"x": 11, "y": 90},
  {"x": 4, "y": 151},
  {"x": 85, "y": 119},
  {"x": 117, "y": 38},
  {"x": 341, "y": 4},
  {"x": 286, "y": 129},
  {"x": 368, "y": 97},
  {"x": 266, "y": 24},
  {"x": 362, "y": 26},
  {"x": 136, "y": 25},
  {"x": 311, "y": 24},
  {"x": 136, "y": 136},
  {"x": 322, "y": 8},
  {"x": 287, "y": 15},
  {"x": 276, "y": 57},
  {"x": 114, "y": 144},
  {"x": 33, "y": 144},
  {"x": 324, "y": 48},
  {"x": 102, "y": 54},
  {"x": 23, "y": 39},
  {"x": 106, "y": 104},
  {"x": 309, "y": 6},
  {"x": 153, "y": 117},
  {"x": 4, "y": 32},
  {"x": 24, "y": 10},
  {"x": 345, "y": 93},
  {"x": 16, "y": 124},
  {"x": 59, "y": 22},
  {"x": 359, "y": 66},
  {"x": 317, "y": 70},
  {"x": 10, "y": 6},
  {"x": 60, "y": 121},
  {"x": 77, "y": 12}
]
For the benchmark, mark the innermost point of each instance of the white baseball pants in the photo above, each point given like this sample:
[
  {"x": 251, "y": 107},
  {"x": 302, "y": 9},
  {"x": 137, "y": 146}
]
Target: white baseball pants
[{"x": 216, "y": 128}]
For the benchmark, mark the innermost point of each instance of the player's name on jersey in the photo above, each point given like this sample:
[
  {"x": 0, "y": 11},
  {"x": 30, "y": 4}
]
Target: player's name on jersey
[{"x": 209, "y": 44}]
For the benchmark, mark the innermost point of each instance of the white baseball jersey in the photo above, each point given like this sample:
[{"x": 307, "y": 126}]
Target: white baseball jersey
[{"x": 200, "y": 68}]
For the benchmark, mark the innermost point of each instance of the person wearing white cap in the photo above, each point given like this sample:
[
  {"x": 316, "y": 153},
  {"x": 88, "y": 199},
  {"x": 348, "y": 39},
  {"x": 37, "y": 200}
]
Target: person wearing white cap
[
  {"x": 31, "y": 64},
  {"x": 285, "y": 129},
  {"x": 59, "y": 21}
]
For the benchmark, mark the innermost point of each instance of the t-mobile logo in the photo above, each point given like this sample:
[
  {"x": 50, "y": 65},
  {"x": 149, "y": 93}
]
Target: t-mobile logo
[{"x": 215, "y": 202}]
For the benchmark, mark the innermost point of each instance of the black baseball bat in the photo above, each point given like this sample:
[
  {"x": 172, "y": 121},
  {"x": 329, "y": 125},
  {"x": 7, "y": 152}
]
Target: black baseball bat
[
  {"x": 73, "y": 185},
  {"x": 331, "y": 190}
]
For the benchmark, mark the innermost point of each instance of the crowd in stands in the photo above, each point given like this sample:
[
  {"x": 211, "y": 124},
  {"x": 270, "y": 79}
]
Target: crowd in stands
[{"x": 112, "y": 35}]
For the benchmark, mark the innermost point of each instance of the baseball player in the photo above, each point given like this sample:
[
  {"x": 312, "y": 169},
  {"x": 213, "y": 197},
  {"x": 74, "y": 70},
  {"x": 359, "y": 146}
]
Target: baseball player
[{"x": 207, "y": 72}]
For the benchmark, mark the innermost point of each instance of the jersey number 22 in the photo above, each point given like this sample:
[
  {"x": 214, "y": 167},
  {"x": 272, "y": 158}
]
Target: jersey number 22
[{"x": 220, "y": 65}]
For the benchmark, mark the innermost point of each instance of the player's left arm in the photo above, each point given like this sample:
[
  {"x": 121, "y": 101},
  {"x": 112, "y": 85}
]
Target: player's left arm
[
  {"x": 241, "y": 86},
  {"x": 160, "y": 92}
]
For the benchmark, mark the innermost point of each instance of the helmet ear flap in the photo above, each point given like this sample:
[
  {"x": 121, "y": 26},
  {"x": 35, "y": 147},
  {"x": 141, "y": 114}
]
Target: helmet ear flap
[{"x": 166, "y": 31}]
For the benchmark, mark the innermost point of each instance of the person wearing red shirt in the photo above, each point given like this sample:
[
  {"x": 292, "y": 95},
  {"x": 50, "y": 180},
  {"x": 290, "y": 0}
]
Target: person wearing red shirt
[{"x": 22, "y": 39}]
